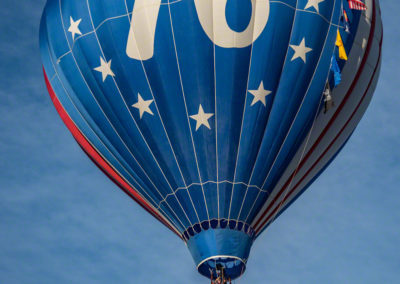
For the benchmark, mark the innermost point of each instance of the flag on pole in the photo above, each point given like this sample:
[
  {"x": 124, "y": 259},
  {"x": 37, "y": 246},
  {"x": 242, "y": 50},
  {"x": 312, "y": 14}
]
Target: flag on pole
[
  {"x": 345, "y": 21},
  {"x": 346, "y": 28},
  {"x": 339, "y": 44},
  {"x": 336, "y": 70},
  {"x": 328, "y": 100},
  {"x": 346, "y": 18},
  {"x": 357, "y": 5}
]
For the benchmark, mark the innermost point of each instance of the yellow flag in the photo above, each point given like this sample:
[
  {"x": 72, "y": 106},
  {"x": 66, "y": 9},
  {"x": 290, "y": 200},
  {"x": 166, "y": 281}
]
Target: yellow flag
[{"x": 339, "y": 44}]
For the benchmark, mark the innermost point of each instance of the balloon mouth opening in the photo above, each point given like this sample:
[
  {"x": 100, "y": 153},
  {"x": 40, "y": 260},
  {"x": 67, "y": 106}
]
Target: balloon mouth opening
[{"x": 233, "y": 266}]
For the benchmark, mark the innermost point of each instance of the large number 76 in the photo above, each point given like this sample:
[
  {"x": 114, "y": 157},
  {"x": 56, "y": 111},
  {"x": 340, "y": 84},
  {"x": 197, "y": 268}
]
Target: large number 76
[{"x": 212, "y": 18}]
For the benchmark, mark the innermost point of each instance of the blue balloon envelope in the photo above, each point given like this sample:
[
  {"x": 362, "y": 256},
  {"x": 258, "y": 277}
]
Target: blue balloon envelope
[{"x": 211, "y": 114}]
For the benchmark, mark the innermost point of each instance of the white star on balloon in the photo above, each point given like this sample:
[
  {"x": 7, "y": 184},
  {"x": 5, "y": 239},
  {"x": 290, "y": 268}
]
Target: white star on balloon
[
  {"x": 143, "y": 106},
  {"x": 105, "y": 69},
  {"x": 74, "y": 27},
  {"x": 300, "y": 50},
  {"x": 313, "y": 3},
  {"x": 202, "y": 118},
  {"x": 259, "y": 94}
]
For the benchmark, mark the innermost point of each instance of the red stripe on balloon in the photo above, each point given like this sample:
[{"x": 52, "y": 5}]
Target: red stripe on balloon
[
  {"x": 258, "y": 227},
  {"x": 102, "y": 164}
]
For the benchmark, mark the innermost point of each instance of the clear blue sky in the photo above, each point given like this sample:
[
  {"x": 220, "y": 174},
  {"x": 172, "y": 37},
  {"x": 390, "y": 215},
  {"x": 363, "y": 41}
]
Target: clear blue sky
[{"x": 63, "y": 221}]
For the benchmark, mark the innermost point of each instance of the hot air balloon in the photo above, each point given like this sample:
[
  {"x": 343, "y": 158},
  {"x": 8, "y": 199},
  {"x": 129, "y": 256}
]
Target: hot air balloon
[{"x": 213, "y": 115}]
